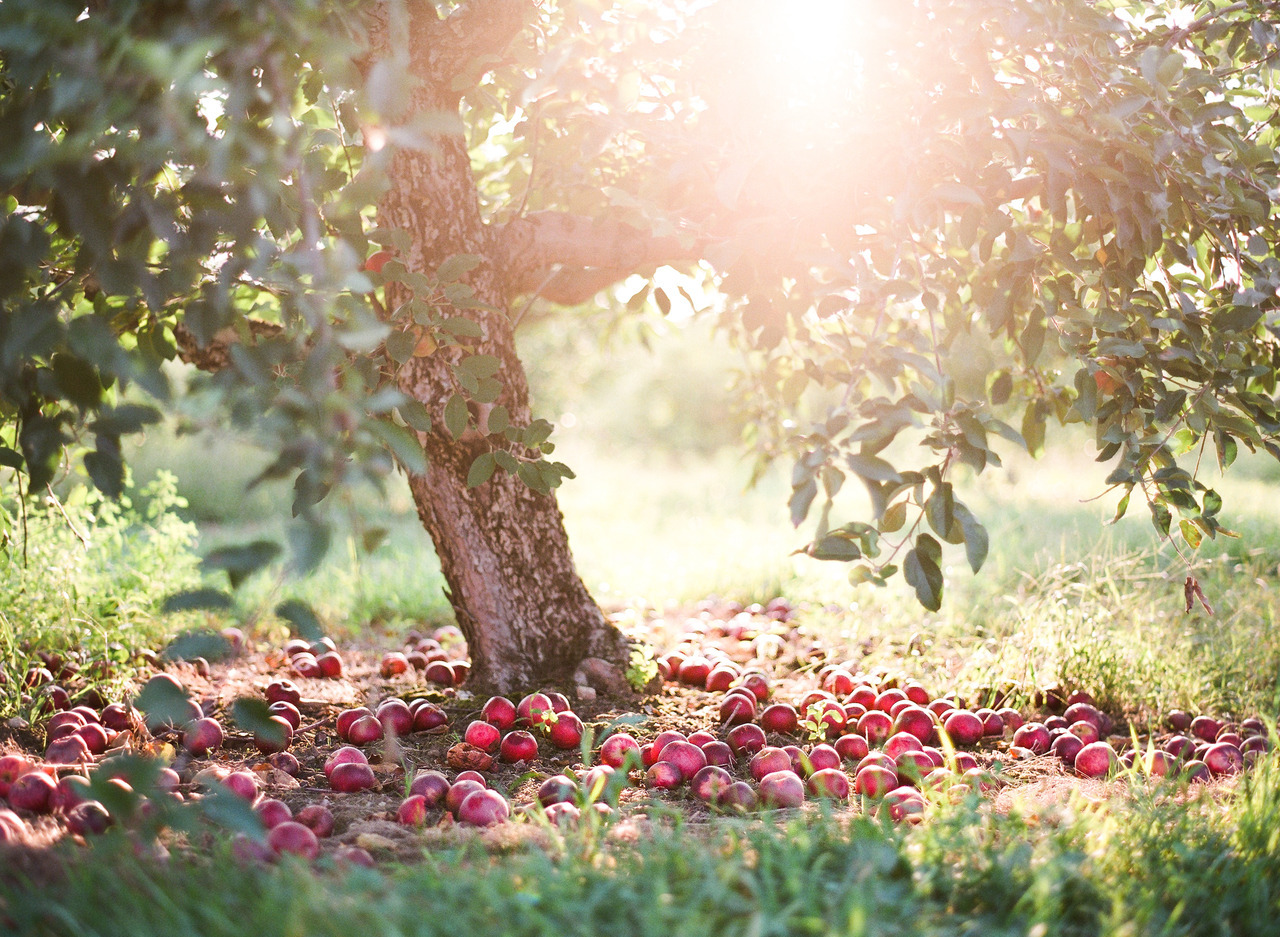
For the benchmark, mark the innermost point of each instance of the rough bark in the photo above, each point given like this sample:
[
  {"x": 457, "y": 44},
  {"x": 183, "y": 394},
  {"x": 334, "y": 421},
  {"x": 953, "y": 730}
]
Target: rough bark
[{"x": 527, "y": 616}]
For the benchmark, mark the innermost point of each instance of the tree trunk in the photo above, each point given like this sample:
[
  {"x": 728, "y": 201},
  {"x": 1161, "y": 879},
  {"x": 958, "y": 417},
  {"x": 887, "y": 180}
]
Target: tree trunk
[{"x": 526, "y": 614}]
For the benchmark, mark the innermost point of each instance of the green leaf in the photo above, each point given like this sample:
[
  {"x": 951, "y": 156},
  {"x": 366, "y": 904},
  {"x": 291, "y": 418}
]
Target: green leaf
[
  {"x": 243, "y": 560},
  {"x": 1160, "y": 517},
  {"x": 506, "y": 461},
  {"x": 222, "y": 806},
  {"x": 415, "y": 414},
  {"x": 480, "y": 366},
  {"x": 872, "y": 468},
  {"x": 1190, "y": 533},
  {"x": 923, "y": 574},
  {"x": 400, "y": 346},
  {"x": 938, "y": 508},
  {"x": 801, "y": 501},
  {"x": 129, "y": 418},
  {"x": 163, "y": 703},
  {"x": 836, "y": 548},
  {"x": 211, "y": 600},
  {"x": 1121, "y": 507},
  {"x": 78, "y": 380},
  {"x": 481, "y": 469},
  {"x": 373, "y": 538},
  {"x": 253, "y": 715},
  {"x": 456, "y": 415},
  {"x": 106, "y": 468},
  {"x": 462, "y": 328},
  {"x": 457, "y": 266},
  {"x": 9, "y": 458},
  {"x": 499, "y": 420},
  {"x": 976, "y": 540},
  {"x": 301, "y": 618},
  {"x": 308, "y": 544},
  {"x": 894, "y": 517},
  {"x": 403, "y": 444},
  {"x": 199, "y": 642}
]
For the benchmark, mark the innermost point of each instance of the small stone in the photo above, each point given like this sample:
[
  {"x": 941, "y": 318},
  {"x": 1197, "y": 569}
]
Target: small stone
[{"x": 586, "y": 693}]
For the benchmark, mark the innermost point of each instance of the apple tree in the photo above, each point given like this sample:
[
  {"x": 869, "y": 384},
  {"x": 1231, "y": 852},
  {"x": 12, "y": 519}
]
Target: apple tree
[{"x": 933, "y": 224}]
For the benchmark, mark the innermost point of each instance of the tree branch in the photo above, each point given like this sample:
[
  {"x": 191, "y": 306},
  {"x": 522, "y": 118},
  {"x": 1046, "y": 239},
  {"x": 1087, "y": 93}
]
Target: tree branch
[
  {"x": 216, "y": 355},
  {"x": 445, "y": 49},
  {"x": 590, "y": 254}
]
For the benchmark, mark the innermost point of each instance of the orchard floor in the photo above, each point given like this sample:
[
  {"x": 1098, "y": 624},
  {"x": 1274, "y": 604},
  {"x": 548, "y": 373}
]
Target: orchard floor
[{"x": 752, "y": 640}]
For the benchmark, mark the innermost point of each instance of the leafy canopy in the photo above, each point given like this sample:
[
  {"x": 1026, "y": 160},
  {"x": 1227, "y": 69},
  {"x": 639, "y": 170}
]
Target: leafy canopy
[{"x": 934, "y": 224}]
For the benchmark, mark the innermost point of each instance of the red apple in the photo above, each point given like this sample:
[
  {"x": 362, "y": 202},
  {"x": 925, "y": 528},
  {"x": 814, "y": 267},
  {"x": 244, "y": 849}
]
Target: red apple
[
  {"x": 69, "y": 750},
  {"x": 901, "y": 742},
  {"x": 746, "y": 739},
  {"x": 718, "y": 753},
  {"x": 272, "y": 812},
  {"x": 351, "y": 777},
  {"x": 1032, "y": 736},
  {"x": 393, "y": 664},
  {"x": 288, "y": 712},
  {"x": 460, "y": 791},
  {"x": 517, "y": 746},
  {"x": 614, "y": 749},
  {"x": 686, "y": 756},
  {"x": 202, "y": 736},
  {"x": 664, "y": 776},
  {"x": 484, "y": 808},
  {"x": 534, "y": 710},
  {"x": 829, "y": 783},
  {"x": 395, "y": 717},
  {"x": 501, "y": 712},
  {"x": 330, "y": 665},
  {"x": 244, "y": 784},
  {"x": 412, "y": 811},
  {"x": 316, "y": 817},
  {"x": 737, "y": 708},
  {"x": 709, "y": 783},
  {"x": 285, "y": 690},
  {"x": 1205, "y": 728},
  {"x": 483, "y": 735},
  {"x": 874, "y": 781},
  {"x": 428, "y": 716},
  {"x": 769, "y": 760},
  {"x": 347, "y": 754},
  {"x": 438, "y": 672},
  {"x": 904, "y": 803},
  {"x": 365, "y": 730},
  {"x": 964, "y": 727},
  {"x": 118, "y": 717},
  {"x": 757, "y": 683},
  {"x": 557, "y": 789},
  {"x": 851, "y": 747},
  {"x": 1066, "y": 746},
  {"x": 1096, "y": 760},
  {"x": 738, "y": 796},
  {"x": 430, "y": 785},
  {"x": 353, "y": 855},
  {"x": 566, "y": 731},
  {"x": 780, "y": 717},
  {"x": 270, "y": 740},
  {"x": 377, "y": 260},
  {"x": 292, "y": 838},
  {"x": 1223, "y": 758},
  {"x": 875, "y": 726},
  {"x": 12, "y": 767},
  {"x": 89, "y": 818},
  {"x": 33, "y": 791},
  {"x": 782, "y": 789}
]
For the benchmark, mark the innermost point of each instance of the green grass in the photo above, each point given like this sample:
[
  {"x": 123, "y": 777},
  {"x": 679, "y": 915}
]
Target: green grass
[{"x": 1148, "y": 864}]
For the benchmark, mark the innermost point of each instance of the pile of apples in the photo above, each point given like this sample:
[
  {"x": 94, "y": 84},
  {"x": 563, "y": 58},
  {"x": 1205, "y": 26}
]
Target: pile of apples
[{"x": 428, "y": 656}]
